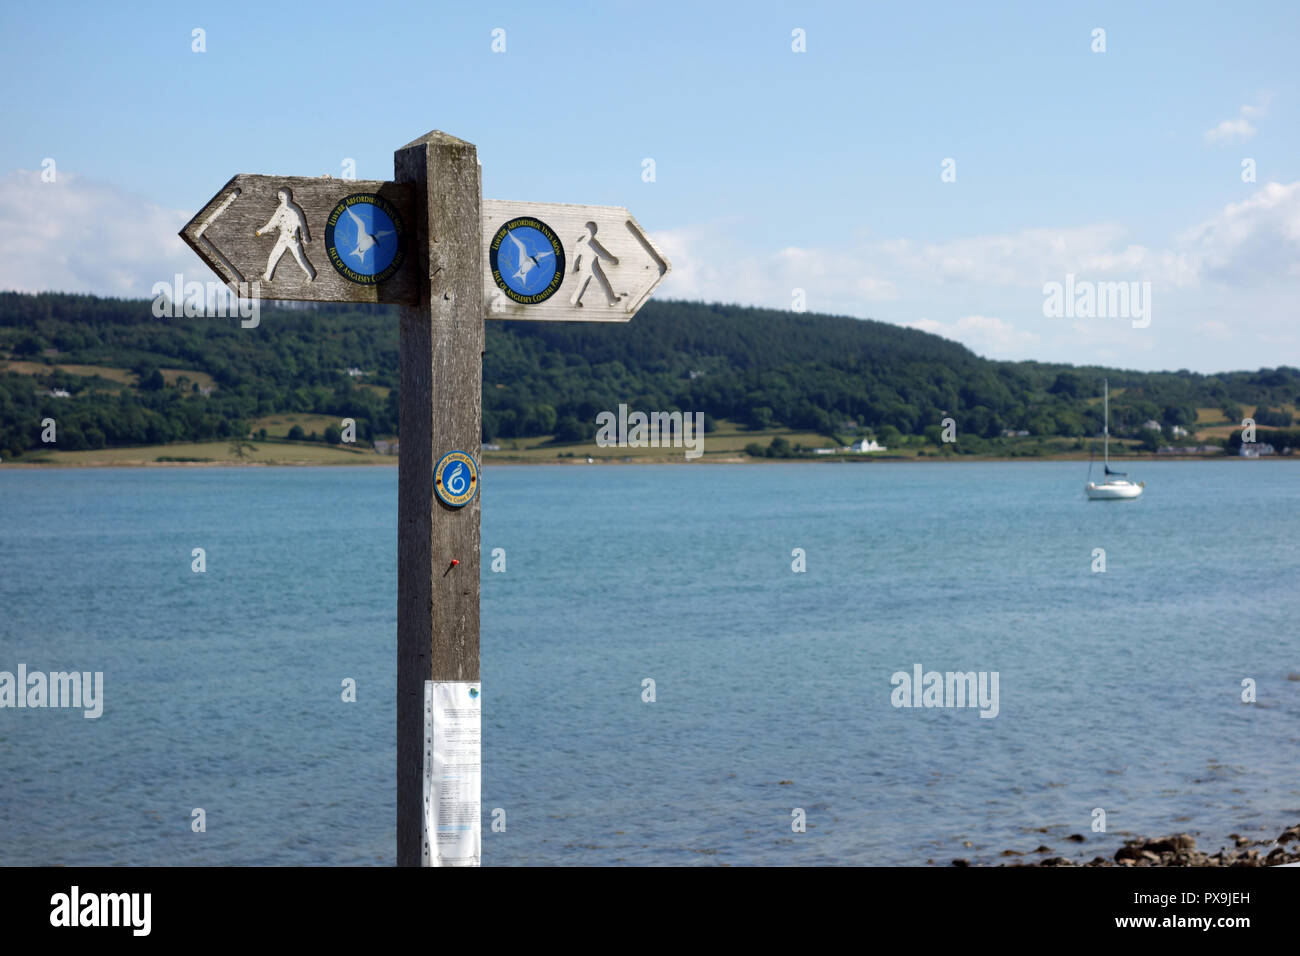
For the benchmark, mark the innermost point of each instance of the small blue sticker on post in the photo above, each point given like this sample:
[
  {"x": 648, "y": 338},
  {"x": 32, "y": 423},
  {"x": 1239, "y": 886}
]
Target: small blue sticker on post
[{"x": 455, "y": 480}]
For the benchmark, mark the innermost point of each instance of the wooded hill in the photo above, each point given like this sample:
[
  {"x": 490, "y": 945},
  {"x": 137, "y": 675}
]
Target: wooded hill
[{"x": 134, "y": 379}]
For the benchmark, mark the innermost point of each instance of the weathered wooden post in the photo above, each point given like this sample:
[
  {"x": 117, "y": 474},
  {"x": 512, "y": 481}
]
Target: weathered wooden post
[{"x": 441, "y": 411}]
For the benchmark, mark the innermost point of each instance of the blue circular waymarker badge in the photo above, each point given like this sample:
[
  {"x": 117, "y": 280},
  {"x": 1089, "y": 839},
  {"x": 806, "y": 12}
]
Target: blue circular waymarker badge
[
  {"x": 527, "y": 260},
  {"x": 363, "y": 238},
  {"x": 455, "y": 480}
]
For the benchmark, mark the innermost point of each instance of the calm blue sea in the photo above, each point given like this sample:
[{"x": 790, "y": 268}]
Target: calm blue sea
[{"x": 1119, "y": 690}]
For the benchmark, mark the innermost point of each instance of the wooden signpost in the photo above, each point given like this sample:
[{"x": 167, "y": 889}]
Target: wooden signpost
[{"x": 428, "y": 242}]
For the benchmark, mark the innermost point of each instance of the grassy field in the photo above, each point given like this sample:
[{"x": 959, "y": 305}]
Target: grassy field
[
  {"x": 214, "y": 453},
  {"x": 184, "y": 454},
  {"x": 202, "y": 379},
  {"x": 122, "y": 375},
  {"x": 1214, "y": 416},
  {"x": 87, "y": 371},
  {"x": 1210, "y": 422},
  {"x": 727, "y": 443},
  {"x": 277, "y": 426}
]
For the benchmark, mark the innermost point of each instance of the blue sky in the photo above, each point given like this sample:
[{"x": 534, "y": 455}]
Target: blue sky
[{"x": 775, "y": 170}]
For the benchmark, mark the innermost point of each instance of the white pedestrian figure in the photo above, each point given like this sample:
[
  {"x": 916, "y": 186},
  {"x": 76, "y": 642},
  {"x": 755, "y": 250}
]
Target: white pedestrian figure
[
  {"x": 588, "y": 253},
  {"x": 289, "y": 219}
]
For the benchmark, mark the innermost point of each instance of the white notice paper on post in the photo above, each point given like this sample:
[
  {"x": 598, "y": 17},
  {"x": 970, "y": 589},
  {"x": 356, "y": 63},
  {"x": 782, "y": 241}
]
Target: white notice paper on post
[{"x": 452, "y": 773}]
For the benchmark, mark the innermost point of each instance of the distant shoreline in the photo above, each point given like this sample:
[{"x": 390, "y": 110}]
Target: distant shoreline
[{"x": 392, "y": 460}]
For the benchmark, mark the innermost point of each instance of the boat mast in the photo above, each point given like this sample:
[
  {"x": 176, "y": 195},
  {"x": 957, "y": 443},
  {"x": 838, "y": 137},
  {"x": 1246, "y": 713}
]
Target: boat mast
[{"x": 1105, "y": 429}]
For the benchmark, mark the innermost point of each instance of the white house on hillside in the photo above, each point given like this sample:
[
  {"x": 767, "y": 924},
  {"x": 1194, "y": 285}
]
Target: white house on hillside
[{"x": 866, "y": 444}]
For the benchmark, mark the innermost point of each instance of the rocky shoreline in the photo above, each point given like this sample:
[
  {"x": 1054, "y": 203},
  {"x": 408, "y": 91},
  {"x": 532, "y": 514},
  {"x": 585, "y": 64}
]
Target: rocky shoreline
[{"x": 1177, "y": 850}]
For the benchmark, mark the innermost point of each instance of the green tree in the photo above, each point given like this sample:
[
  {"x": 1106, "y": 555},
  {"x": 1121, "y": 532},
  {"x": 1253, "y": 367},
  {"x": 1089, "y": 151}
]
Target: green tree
[
  {"x": 569, "y": 429},
  {"x": 542, "y": 420},
  {"x": 28, "y": 345},
  {"x": 889, "y": 436},
  {"x": 1068, "y": 385}
]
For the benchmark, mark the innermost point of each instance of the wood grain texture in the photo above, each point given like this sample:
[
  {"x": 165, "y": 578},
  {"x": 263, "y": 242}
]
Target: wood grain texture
[
  {"x": 441, "y": 411},
  {"x": 224, "y": 234},
  {"x": 639, "y": 268}
]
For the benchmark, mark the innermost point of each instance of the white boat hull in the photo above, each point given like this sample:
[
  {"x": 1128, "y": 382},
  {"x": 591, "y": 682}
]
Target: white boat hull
[
  {"x": 1112, "y": 490},
  {"x": 1116, "y": 486}
]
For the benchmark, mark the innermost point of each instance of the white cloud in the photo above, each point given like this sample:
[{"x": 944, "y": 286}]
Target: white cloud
[
  {"x": 1030, "y": 257},
  {"x": 1214, "y": 329},
  {"x": 78, "y": 235},
  {"x": 1230, "y": 279},
  {"x": 862, "y": 277},
  {"x": 1233, "y": 130},
  {"x": 708, "y": 264},
  {"x": 1239, "y": 130},
  {"x": 1249, "y": 242}
]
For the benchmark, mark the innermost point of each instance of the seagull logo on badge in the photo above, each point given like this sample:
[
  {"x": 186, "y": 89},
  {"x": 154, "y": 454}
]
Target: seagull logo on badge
[
  {"x": 365, "y": 240},
  {"x": 527, "y": 263}
]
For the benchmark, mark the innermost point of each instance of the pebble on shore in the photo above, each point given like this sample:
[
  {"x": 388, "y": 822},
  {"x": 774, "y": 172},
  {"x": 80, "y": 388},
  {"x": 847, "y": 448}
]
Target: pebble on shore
[{"x": 1180, "y": 850}]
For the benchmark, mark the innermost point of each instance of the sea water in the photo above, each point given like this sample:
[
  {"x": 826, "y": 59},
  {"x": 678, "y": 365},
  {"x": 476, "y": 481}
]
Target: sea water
[{"x": 1119, "y": 690}]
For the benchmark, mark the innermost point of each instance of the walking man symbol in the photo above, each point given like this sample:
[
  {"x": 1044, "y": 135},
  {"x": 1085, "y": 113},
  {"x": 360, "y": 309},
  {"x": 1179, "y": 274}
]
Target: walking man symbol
[
  {"x": 588, "y": 255},
  {"x": 289, "y": 219}
]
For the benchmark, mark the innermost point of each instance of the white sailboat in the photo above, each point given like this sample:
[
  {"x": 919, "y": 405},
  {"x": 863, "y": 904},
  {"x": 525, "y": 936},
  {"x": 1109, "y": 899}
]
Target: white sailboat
[{"x": 1117, "y": 485}]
